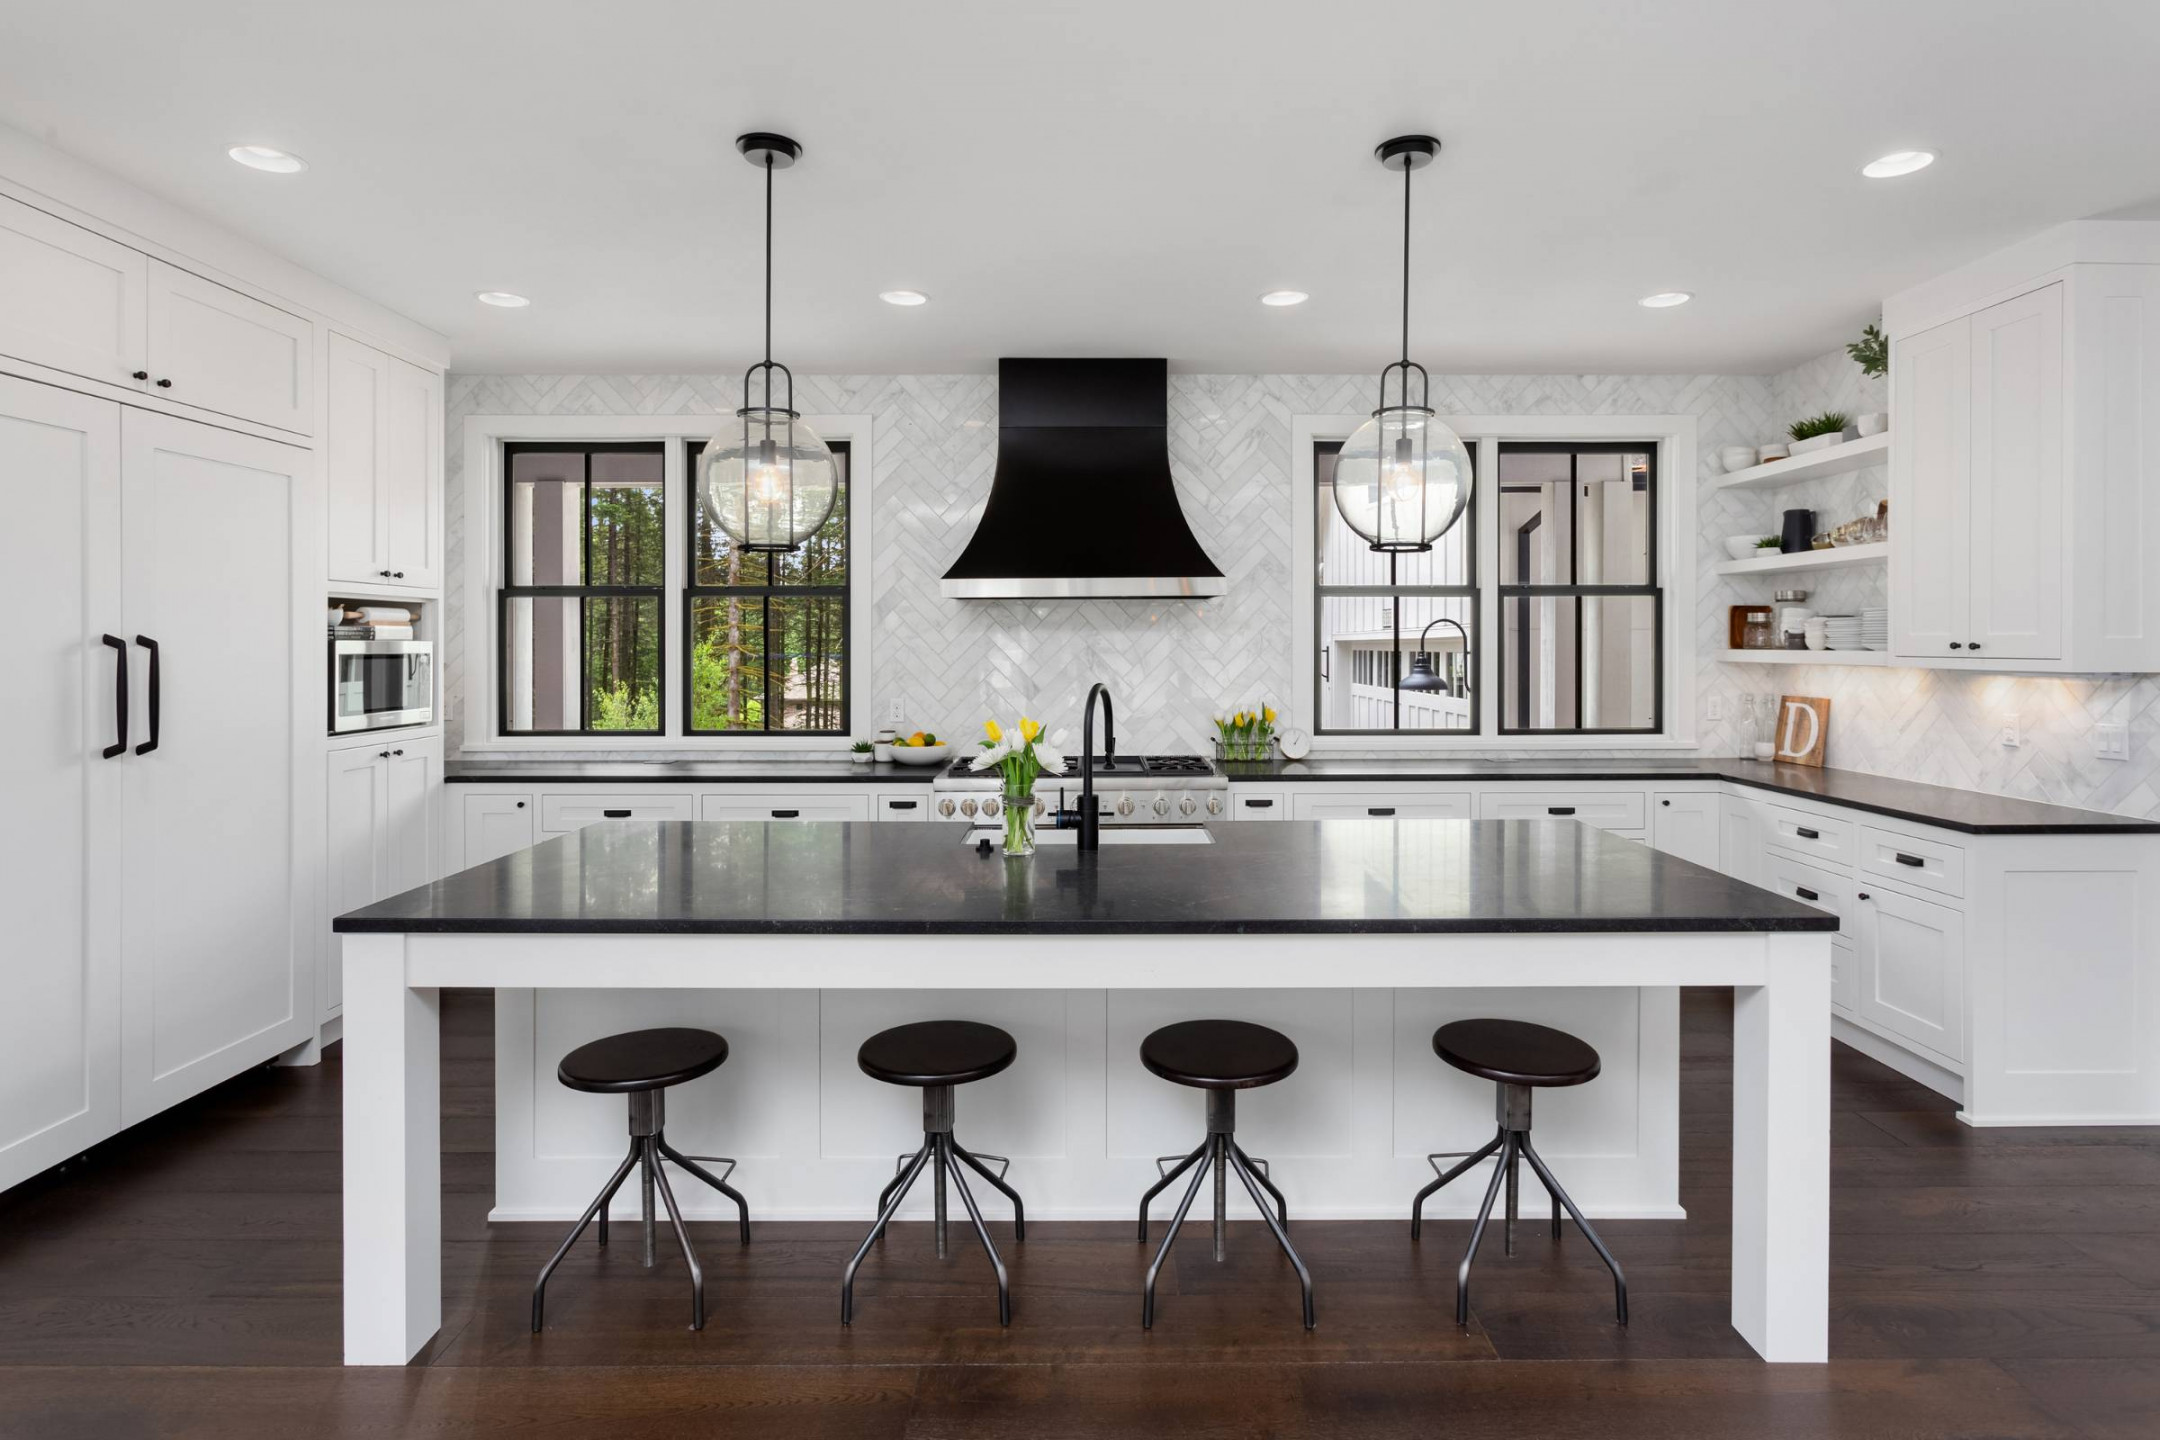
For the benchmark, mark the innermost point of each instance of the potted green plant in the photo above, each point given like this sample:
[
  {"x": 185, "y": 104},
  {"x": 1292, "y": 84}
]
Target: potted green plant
[
  {"x": 1871, "y": 352},
  {"x": 860, "y": 752},
  {"x": 1818, "y": 432},
  {"x": 1769, "y": 542}
]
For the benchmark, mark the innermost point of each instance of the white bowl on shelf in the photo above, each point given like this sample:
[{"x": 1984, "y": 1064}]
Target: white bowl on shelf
[
  {"x": 1736, "y": 457},
  {"x": 921, "y": 754},
  {"x": 1744, "y": 547},
  {"x": 1872, "y": 424}
]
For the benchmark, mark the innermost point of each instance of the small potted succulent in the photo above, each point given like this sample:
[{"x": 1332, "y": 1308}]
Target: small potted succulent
[
  {"x": 1818, "y": 432},
  {"x": 861, "y": 752}
]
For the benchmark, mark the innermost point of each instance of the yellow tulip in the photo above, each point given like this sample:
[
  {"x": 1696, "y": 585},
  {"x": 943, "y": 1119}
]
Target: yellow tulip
[
  {"x": 1029, "y": 729},
  {"x": 1267, "y": 712},
  {"x": 990, "y": 728}
]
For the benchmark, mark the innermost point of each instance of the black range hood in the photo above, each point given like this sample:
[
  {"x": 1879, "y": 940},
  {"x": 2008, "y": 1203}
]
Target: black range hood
[{"x": 1082, "y": 504}]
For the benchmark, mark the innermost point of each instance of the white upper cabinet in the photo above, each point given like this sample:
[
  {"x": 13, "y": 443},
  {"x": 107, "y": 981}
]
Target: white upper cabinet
[
  {"x": 1930, "y": 521},
  {"x": 2016, "y": 457},
  {"x": 70, "y": 299},
  {"x": 385, "y": 466},
  {"x": 213, "y": 347}
]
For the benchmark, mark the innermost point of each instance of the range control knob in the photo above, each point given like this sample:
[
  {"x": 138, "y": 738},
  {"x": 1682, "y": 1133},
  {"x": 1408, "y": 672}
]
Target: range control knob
[
  {"x": 946, "y": 807},
  {"x": 1124, "y": 805},
  {"x": 1186, "y": 805},
  {"x": 1038, "y": 809},
  {"x": 1214, "y": 804},
  {"x": 967, "y": 807},
  {"x": 1162, "y": 805},
  {"x": 989, "y": 807}
]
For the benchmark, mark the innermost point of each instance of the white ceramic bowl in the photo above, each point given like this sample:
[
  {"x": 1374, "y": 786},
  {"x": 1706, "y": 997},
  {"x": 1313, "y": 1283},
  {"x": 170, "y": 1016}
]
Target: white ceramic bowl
[
  {"x": 921, "y": 754},
  {"x": 1772, "y": 452},
  {"x": 1742, "y": 547},
  {"x": 1872, "y": 424},
  {"x": 1736, "y": 457}
]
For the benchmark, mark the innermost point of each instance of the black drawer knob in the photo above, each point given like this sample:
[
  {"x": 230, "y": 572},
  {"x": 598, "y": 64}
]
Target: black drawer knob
[
  {"x": 164, "y": 384},
  {"x": 1974, "y": 645},
  {"x": 1956, "y": 645},
  {"x": 139, "y": 375}
]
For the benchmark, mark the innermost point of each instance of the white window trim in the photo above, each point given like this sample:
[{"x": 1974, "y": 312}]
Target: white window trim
[
  {"x": 1675, "y": 436},
  {"x": 485, "y": 436}
]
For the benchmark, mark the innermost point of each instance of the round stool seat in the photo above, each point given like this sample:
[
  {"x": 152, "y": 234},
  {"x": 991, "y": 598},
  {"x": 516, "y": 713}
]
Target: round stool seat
[
  {"x": 936, "y": 1052},
  {"x": 1516, "y": 1052},
  {"x": 642, "y": 1060},
  {"x": 1219, "y": 1054}
]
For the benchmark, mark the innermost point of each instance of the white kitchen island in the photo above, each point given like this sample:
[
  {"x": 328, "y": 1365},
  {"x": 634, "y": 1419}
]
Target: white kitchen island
[{"x": 1356, "y": 938}]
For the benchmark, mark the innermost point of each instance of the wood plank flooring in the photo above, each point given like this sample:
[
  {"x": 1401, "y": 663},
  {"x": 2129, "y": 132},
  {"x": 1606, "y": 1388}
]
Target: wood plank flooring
[{"x": 182, "y": 1281}]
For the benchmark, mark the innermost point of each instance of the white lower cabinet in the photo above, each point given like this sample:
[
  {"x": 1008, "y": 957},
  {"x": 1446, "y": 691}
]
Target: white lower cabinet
[
  {"x": 905, "y": 807},
  {"x": 494, "y": 825},
  {"x": 1685, "y": 823},
  {"x": 574, "y": 810},
  {"x": 1314, "y": 804},
  {"x": 839, "y": 805},
  {"x": 383, "y": 828},
  {"x": 1606, "y": 809},
  {"x": 1912, "y": 969}
]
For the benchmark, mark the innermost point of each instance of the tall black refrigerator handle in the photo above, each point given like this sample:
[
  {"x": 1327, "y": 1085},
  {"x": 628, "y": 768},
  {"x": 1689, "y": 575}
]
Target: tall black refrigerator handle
[
  {"x": 120, "y": 715},
  {"x": 155, "y": 707}
]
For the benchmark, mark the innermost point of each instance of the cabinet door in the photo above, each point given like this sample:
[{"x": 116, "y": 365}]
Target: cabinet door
[
  {"x": 229, "y": 352},
  {"x": 495, "y": 826},
  {"x": 1930, "y": 471},
  {"x": 1318, "y": 804},
  {"x": 353, "y": 448},
  {"x": 211, "y": 936},
  {"x": 412, "y": 781},
  {"x": 1685, "y": 824},
  {"x": 2017, "y": 479},
  {"x": 60, "y": 876},
  {"x": 1742, "y": 841},
  {"x": 354, "y": 855},
  {"x": 1912, "y": 969},
  {"x": 70, "y": 298},
  {"x": 411, "y": 490}
]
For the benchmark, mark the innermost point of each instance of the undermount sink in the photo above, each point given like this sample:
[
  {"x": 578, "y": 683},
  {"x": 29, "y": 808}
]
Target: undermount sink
[{"x": 1046, "y": 838}]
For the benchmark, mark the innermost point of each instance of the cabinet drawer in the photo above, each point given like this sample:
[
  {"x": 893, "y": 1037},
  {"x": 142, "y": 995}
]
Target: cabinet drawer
[
  {"x": 1610, "y": 810},
  {"x": 560, "y": 813},
  {"x": 1246, "y": 806},
  {"x": 1929, "y": 864},
  {"x": 1816, "y": 837},
  {"x": 785, "y": 807},
  {"x": 1912, "y": 971},
  {"x": 904, "y": 807},
  {"x": 1381, "y": 806},
  {"x": 1797, "y": 880}
]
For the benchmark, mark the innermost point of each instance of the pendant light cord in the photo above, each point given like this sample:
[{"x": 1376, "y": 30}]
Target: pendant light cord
[
  {"x": 1405, "y": 268},
  {"x": 768, "y": 275}
]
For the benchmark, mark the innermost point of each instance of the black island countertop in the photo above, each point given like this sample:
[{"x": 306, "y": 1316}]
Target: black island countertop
[{"x": 1290, "y": 877}]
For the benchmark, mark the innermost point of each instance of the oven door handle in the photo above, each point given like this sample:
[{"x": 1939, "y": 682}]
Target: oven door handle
[{"x": 156, "y": 688}]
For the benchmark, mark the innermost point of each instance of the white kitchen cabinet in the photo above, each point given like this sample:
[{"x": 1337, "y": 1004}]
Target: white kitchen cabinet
[
  {"x": 830, "y": 802},
  {"x": 212, "y": 942},
  {"x": 1247, "y": 804},
  {"x": 494, "y": 825},
  {"x": 60, "y": 885},
  {"x": 1930, "y": 519},
  {"x": 2016, "y": 487},
  {"x": 1315, "y": 803},
  {"x": 1606, "y": 809},
  {"x": 383, "y": 454},
  {"x": 1685, "y": 823},
  {"x": 1912, "y": 969},
  {"x": 382, "y": 825},
  {"x": 213, "y": 347},
  {"x": 575, "y": 809},
  {"x": 70, "y": 299},
  {"x": 912, "y": 806},
  {"x": 1741, "y": 838}
]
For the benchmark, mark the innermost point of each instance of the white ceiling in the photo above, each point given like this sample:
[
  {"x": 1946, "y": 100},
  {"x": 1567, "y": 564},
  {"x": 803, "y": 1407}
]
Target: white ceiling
[{"x": 1114, "y": 178}]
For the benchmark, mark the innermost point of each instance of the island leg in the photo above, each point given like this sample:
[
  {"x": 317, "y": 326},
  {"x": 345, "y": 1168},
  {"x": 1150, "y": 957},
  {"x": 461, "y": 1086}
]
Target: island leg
[
  {"x": 393, "y": 1156},
  {"x": 1781, "y": 1152}
]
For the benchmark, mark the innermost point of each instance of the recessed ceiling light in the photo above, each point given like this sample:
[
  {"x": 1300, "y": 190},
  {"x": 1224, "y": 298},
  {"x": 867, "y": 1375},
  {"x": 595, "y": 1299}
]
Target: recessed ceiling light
[
  {"x": 267, "y": 157},
  {"x": 1898, "y": 162},
  {"x": 1665, "y": 299},
  {"x": 502, "y": 298},
  {"x": 1284, "y": 297},
  {"x": 903, "y": 297}
]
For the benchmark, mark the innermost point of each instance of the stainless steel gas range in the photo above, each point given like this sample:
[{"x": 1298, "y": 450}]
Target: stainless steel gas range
[{"x": 1131, "y": 790}]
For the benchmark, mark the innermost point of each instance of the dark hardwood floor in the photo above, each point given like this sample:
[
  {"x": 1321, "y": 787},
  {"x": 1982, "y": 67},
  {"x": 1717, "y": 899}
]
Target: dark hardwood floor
[{"x": 183, "y": 1281}]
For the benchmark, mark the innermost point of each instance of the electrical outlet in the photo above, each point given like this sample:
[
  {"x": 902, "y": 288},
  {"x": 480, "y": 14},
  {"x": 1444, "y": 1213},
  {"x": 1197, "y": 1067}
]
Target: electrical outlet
[
  {"x": 1714, "y": 708},
  {"x": 893, "y": 714},
  {"x": 2112, "y": 742},
  {"x": 2009, "y": 733}
]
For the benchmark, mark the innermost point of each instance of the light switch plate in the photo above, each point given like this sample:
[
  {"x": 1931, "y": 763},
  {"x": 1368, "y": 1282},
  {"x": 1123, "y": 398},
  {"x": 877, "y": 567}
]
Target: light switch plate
[
  {"x": 1714, "y": 708},
  {"x": 2008, "y": 730},
  {"x": 2111, "y": 742},
  {"x": 892, "y": 712}
]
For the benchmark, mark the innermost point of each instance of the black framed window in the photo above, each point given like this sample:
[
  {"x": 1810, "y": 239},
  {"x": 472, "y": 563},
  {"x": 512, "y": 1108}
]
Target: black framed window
[
  {"x": 580, "y": 629},
  {"x": 766, "y": 636},
  {"x": 1375, "y": 615},
  {"x": 1581, "y": 608}
]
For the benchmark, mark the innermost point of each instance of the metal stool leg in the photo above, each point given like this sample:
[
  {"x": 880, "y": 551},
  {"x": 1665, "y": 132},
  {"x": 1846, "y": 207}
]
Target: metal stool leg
[
  {"x": 1562, "y": 1197},
  {"x": 1237, "y": 1158},
  {"x": 885, "y": 1214},
  {"x": 1258, "y": 1169},
  {"x": 982, "y": 1231},
  {"x": 1221, "y": 1167},
  {"x": 937, "y": 1166},
  {"x": 1514, "y": 1189},
  {"x": 607, "y": 1199},
  {"x": 1477, "y": 1231},
  {"x": 1417, "y": 1206},
  {"x": 975, "y": 1163},
  {"x": 1147, "y": 1301},
  {"x": 682, "y": 1233},
  {"x": 540, "y": 1286},
  {"x": 1167, "y": 1176},
  {"x": 718, "y": 1182}
]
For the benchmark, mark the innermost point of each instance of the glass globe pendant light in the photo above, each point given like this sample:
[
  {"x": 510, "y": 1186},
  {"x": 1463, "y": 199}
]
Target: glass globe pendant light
[
  {"x": 768, "y": 482},
  {"x": 1402, "y": 481}
]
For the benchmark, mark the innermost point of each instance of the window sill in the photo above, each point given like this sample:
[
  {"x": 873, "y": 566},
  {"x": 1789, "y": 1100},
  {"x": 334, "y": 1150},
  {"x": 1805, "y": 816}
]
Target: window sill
[
  {"x": 1411, "y": 745},
  {"x": 816, "y": 745}
]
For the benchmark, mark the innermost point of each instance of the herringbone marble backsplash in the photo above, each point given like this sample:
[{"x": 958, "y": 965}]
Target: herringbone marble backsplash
[{"x": 1171, "y": 665}]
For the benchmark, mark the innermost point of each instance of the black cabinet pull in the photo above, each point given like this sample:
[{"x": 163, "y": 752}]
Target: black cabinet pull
[
  {"x": 1864, "y": 895},
  {"x": 164, "y": 384},
  {"x": 384, "y": 573},
  {"x": 785, "y": 814},
  {"x": 138, "y": 374},
  {"x": 397, "y": 574},
  {"x": 1380, "y": 809},
  {"x": 156, "y": 688},
  {"x": 1259, "y": 804},
  {"x": 614, "y": 814},
  {"x": 120, "y": 715},
  {"x": 1806, "y": 834},
  {"x": 397, "y": 752},
  {"x": 1955, "y": 645},
  {"x": 521, "y": 804},
  {"x": 1913, "y": 860},
  {"x": 900, "y": 804},
  {"x": 1804, "y": 893},
  {"x": 1559, "y": 809},
  {"x": 382, "y": 754},
  {"x": 1664, "y": 802},
  {"x": 1973, "y": 645}
]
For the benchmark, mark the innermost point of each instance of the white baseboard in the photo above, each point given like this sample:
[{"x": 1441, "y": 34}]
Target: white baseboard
[{"x": 1913, "y": 1067}]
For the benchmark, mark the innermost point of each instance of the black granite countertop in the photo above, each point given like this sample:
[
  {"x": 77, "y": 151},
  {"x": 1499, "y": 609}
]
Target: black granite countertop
[
  {"x": 1294, "y": 877},
  {"x": 686, "y": 772},
  {"x": 1971, "y": 811}
]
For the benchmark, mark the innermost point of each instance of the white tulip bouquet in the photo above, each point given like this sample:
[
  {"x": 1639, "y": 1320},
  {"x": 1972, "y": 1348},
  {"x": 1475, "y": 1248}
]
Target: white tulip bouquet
[{"x": 1018, "y": 755}]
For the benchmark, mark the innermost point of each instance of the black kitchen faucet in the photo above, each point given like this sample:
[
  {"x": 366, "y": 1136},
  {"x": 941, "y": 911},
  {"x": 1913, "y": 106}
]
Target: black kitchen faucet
[{"x": 1089, "y": 823}]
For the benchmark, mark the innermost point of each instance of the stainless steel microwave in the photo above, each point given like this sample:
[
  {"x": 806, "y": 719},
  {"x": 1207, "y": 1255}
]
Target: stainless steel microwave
[{"x": 378, "y": 683}]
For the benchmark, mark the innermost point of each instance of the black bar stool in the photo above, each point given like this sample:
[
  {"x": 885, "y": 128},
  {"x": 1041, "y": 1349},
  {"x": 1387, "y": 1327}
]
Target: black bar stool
[
  {"x": 936, "y": 1055},
  {"x": 1221, "y": 1057},
  {"x": 642, "y": 1064},
  {"x": 1518, "y": 1057}
]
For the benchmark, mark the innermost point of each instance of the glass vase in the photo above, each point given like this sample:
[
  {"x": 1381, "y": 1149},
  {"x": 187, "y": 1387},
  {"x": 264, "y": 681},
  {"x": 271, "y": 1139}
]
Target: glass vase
[{"x": 1019, "y": 810}]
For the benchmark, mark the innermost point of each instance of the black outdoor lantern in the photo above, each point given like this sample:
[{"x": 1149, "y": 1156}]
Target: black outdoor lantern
[{"x": 1422, "y": 676}]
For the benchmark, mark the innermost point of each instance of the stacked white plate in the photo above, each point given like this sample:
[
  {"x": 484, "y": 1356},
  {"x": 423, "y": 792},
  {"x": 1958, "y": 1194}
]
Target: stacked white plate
[
  {"x": 1842, "y": 632},
  {"x": 1875, "y": 629}
]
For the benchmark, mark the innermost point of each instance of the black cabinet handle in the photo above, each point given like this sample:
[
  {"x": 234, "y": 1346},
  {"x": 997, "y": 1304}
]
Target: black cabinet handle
[
  {"x": 1559, "y": 809},
  {"x": 1379, "y": 809},
  {"x": 138, "y": 374},
  {"x": 1804, "y": 893},
  {"x": 1806, "y": 834},
  {"x": 384, "y": 573},
  {"x": 1864, "y": 895},
  {"x": 156, "y": 688},
  {"x": 1259, "y": 804},
  {"x": 397, "y": 574},
  {"x": 1913, "y": 860},
  {"x": 164, "y": 384},
  {"x": 785, "y": 814},
  {"x": 615, "y": 814},
  {"x": 382, "y": 754},
  {"x": 397, "y": 752},
  {"x": 1955, "y": 645},
  {"x": 1664, "y": 802},
  {"x": 900, "y": 804},
  {"x": 120, "y": 715},
  {"x": 1973, "y": 645},
  {"x": 521, "y": 804}
]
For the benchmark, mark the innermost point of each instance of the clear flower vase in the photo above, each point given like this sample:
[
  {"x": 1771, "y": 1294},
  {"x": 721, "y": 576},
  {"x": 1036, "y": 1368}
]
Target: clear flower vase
[{"x": 1019, "y": 822}]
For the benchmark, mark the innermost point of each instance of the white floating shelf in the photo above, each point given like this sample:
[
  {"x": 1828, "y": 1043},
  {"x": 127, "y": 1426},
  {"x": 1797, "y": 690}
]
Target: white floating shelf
[
  {"x": 1834, "y": 559},
  {"x": 1807, "y": 657},
  {"x": 1830, "y": 460}
]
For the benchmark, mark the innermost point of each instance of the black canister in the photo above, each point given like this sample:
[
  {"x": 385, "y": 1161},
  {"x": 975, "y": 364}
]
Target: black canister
[{"x": 1799, "y": 532}]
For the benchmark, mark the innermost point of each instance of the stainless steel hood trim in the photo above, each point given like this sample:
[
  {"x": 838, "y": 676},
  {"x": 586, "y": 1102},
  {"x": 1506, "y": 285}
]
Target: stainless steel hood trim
[{"x": 1086, "y": 587}]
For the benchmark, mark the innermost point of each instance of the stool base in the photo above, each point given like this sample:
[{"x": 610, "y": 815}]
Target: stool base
[{"x": 1220, "y": 1154}]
